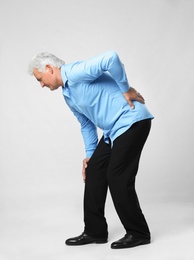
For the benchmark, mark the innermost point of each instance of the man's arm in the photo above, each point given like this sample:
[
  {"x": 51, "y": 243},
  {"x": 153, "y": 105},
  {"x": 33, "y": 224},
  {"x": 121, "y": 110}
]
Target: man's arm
[
  {"x": 89, "y": 132},
  {"x": 90, "y": 69}
]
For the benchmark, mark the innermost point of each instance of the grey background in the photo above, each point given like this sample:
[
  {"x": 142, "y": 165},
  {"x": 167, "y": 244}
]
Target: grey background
[{"x": 41, "y": 148}]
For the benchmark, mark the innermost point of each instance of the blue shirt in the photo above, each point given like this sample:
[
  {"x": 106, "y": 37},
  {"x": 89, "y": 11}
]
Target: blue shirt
[{"x": 93, "y": 91}]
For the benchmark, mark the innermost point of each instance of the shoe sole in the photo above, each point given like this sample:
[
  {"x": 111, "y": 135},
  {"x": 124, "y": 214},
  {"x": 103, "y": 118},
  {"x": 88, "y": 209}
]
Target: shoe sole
[
  {"x": 100, "y": 241},
  {"x": 130, "y": 246},
  {"x": 91, "y": 242}
]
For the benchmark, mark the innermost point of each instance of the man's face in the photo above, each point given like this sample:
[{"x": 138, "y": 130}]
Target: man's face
[{"x": 48, "y": 78}]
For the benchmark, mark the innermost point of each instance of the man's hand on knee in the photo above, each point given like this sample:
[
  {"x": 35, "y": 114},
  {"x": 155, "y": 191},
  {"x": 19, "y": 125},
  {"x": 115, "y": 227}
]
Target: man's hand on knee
[{"x": 85, "y": 165}]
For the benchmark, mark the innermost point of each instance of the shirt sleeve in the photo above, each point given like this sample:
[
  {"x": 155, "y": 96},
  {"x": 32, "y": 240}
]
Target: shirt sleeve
[
  {"x": 90, "y": 69},
  {"x": 89, "y": 133}
]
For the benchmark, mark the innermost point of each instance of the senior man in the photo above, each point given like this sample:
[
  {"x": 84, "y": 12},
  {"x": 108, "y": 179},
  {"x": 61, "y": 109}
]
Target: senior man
[{"x": 99, "y": 95}]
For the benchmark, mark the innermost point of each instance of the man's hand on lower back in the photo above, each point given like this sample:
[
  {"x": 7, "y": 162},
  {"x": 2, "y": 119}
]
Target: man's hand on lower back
[{"x": 132, "y": 95}]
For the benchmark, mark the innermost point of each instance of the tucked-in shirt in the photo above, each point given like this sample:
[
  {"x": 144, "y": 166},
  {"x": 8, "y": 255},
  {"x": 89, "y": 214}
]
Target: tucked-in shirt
[{"x": 93, "y": 89}]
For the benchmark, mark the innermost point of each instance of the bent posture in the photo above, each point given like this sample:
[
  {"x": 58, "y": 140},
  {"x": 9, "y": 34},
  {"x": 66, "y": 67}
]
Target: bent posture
[{"x": 99, "y": 95}]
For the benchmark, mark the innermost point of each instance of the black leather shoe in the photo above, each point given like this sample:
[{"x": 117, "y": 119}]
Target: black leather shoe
[
  {"x": 129, "y": 241},
  {"x": 84, "y": 239}
]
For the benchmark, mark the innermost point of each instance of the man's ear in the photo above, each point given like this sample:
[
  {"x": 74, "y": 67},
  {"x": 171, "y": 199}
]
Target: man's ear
[{"x": 49, "y": 68}]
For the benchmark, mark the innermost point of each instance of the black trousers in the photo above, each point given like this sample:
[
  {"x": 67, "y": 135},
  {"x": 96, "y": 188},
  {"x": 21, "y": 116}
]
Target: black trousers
[{"x": 116, "y": 168}]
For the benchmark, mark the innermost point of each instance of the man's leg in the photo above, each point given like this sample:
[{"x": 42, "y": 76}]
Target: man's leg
[
  {"x": 123, "y": 167},
  {"x": 96, "y": 228},
  {"x": 96, "y": 191}
]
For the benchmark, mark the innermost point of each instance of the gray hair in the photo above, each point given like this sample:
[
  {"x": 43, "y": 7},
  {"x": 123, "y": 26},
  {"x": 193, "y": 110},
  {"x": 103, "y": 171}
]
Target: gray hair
[{"x": 40, "y": 60}]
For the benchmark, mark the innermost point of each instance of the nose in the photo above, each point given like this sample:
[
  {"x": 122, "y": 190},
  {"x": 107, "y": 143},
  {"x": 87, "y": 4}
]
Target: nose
[{"x": 42, "y": 84}]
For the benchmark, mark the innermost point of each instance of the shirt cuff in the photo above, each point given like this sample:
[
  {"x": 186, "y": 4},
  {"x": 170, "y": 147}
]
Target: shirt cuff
[
  {"x": 89, "y": 153},
  {"x": 124, "y": 87}
]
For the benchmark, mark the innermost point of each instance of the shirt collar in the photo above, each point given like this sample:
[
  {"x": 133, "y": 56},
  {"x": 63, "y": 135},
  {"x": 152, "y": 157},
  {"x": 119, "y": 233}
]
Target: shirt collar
[
  {"x": 65, "y": 89},
  {"x": 63, "y": 74}
]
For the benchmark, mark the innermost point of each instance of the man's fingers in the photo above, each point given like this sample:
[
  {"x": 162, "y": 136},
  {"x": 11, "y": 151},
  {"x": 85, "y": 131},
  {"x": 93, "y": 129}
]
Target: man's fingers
[
  {"x": 85, "y": 165},
  {"x": 132, "y": 95},
  {"x": 131, "y": 104},
  {"x": 137, "y": 98},
  {"x": 84, "y": 174},
  {"x": 140, "y": 98}
]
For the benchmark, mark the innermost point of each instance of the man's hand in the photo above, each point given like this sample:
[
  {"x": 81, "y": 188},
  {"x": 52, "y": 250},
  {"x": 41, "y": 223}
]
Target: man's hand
[
  {"x": 132, "y": 95},
  {"x": 85, "y": 165}
]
